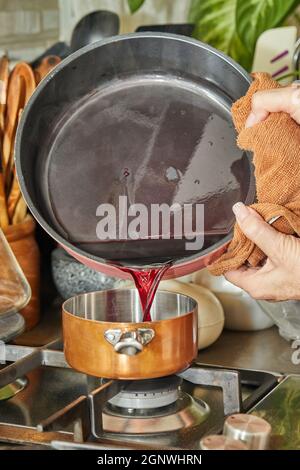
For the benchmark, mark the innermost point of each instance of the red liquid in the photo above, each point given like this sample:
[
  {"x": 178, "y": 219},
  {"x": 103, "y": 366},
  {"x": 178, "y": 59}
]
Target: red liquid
[{"x": 147, "y": 282}]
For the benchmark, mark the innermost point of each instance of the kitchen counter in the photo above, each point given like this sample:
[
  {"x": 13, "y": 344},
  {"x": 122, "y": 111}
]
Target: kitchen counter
[{"x": 261, "y": 350}]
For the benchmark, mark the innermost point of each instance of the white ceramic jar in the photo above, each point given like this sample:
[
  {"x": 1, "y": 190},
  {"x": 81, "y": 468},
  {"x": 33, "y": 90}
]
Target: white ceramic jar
[{"x": 242, "y": 313}]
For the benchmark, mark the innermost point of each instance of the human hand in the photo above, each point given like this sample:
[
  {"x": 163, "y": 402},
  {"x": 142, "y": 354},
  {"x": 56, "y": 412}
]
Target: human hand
[
  {"x": 279, "y": 278},
  {"x": 285, "y": 99}
]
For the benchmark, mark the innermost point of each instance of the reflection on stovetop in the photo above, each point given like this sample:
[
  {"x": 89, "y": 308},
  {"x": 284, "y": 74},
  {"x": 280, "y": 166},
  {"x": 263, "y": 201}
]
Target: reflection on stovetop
[{"x": 48, "y": 390}]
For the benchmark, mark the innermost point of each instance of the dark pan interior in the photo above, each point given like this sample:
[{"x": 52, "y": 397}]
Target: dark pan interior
[{"x": 147, "y": 117}]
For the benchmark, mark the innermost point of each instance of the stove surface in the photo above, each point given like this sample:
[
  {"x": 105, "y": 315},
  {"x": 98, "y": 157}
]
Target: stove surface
[{"x": 199, "y": 410}]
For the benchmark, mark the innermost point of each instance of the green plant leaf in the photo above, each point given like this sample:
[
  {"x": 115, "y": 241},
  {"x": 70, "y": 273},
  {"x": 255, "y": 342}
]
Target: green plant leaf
[
  {"x": 215, "y": 22},
  {"x": 134, "y": 5},
  {"x": 253, "y": 17}
]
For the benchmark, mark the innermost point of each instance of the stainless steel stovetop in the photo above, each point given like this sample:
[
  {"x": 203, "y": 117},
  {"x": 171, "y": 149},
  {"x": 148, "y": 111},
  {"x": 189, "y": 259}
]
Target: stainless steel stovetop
[{"x": 45, "y": 403}]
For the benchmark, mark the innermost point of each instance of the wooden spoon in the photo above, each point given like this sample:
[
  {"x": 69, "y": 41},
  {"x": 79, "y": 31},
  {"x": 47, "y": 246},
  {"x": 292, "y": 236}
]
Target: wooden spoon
[
  {"x": 15, "y": 191},
  {"x": 4, "y": 74},
  {"x": 3, "y": 209},
  {"x": 14, "y": 103},
  {"x": 46, "y": 65},
  {"x": 20, "y": 87},
  {"x": 20, "y": 211},
  {"x": 27, "y": 75}
]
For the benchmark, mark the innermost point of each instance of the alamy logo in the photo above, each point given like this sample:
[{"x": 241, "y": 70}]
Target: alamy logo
[{"x": 160, "y": 221}]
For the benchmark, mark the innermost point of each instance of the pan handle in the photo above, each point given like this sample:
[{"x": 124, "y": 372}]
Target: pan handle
[{"x": 129, "y": 342}]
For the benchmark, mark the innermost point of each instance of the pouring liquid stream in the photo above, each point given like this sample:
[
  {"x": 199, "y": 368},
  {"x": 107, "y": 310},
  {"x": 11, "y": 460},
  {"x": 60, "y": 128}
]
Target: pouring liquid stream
[{"x": 147, "y": 282}]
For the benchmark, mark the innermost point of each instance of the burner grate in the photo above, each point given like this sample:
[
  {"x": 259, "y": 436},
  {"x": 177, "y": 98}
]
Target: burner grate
[
  {"x": 186, "y": 413},
  {"x": 86, "y": 414}
]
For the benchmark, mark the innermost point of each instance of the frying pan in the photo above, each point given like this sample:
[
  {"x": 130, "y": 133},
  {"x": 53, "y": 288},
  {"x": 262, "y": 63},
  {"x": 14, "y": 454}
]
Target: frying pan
[{"x": 146, "y": 116}]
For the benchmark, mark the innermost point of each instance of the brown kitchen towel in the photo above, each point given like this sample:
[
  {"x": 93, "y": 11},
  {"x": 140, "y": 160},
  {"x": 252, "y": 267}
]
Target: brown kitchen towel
[{"x": 275, "y": 144}]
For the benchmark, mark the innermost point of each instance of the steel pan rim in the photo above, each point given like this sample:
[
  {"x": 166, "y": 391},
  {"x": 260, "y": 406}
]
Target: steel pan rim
[{"x": 126, "y": 324}]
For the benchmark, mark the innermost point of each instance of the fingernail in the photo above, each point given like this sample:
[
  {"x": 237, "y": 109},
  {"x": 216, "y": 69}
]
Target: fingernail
[
  {"x": 240, "y": 211},
  {"x": 251, "y": 120}
]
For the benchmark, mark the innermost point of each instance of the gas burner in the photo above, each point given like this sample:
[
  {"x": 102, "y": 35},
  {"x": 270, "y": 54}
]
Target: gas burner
[
  {"x": 185, "y": 412},
  {"x": 153, "y": 406},
  {"x": 148, "y": 394},
  {"x": 80, "y": 412}
]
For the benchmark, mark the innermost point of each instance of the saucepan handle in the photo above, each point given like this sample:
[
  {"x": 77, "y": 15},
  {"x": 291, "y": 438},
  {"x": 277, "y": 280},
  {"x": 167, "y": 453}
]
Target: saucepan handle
[{"x": 129, "y": 342}]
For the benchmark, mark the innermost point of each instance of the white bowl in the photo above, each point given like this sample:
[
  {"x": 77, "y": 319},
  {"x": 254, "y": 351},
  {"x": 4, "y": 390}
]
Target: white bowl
[{"x": 210, "y": 311}]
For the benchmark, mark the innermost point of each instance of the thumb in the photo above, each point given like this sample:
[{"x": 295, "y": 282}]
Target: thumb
[
  {"x": 257, "y": 230},
  {"x": 283, "y": 99}
]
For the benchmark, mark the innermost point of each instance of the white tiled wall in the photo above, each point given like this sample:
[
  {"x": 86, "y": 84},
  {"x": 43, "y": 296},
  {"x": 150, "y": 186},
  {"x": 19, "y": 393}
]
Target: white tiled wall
[{"x": 28, "y": 27}]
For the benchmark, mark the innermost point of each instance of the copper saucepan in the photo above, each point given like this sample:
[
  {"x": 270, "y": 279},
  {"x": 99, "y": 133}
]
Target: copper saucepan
[{"x": 105, "y": 337}]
